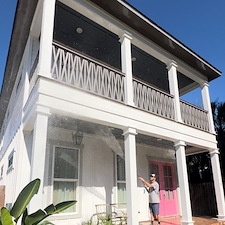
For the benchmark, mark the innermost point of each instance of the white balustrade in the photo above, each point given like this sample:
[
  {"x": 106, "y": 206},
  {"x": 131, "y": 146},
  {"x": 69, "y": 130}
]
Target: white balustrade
[
  {"x": 194, "y": 116},
  {"x": 87, "y": 74},
  {"x": 153, "y": 100},
  {"x": 83, "y": 72}
]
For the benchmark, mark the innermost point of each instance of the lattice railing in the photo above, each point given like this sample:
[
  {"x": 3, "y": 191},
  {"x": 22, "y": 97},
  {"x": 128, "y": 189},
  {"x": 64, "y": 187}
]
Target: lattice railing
[
  {"x": 153, "y": 100},
  {"x": 87, "y": 74},
  {"x": 194, "y": 116}
]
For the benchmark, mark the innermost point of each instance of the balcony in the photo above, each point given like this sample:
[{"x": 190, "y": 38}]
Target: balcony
[{"x": 83, "y": 72}]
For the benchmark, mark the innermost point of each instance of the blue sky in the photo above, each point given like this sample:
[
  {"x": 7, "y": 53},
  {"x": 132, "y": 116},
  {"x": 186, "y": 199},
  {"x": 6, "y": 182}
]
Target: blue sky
[{"x": 198, "y": 24}]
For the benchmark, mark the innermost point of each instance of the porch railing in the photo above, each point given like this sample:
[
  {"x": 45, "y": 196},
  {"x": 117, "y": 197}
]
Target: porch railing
[
  {"x": 75, "y": 69},
  {"x": 194, "y": 116},
  {"x": 83, "y": 72},
  {"x": 153, "y": 100}
]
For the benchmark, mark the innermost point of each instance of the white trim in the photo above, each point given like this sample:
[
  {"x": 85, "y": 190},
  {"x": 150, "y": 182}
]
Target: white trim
[
  {"x": 11, "y": 156},
  {"x": 77, "y": 181}
]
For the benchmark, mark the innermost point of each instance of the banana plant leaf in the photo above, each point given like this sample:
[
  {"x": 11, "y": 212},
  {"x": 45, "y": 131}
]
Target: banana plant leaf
[
  {"x": 24, "y": 198},
  {"x": 35, "y": 218},
  {"x": 63, "y": 205},
  {"x": 45, "y": 223},
  {"x": 25, "y": 214},
  {"x": 50, "y": 209},
  {"x": 6, "y": 218}
]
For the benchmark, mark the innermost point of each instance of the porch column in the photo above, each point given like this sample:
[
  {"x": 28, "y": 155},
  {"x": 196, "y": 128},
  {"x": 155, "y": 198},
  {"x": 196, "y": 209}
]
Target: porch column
[
  {"x": 38, "y": 154},
  {"x": 47, "y": 24},
  {"x": 183, "y": 183},
  {"x": 207, "y": 105},
  {"x": 125, "y": 40},
  {"x": 174, "y": 90},
  {"x": 131, "y": 175},
  {"x": 218, "y": 184}
]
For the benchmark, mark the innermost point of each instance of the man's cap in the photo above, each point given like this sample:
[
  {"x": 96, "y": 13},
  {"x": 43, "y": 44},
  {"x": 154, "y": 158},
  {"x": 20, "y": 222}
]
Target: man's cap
[{"x": 152, "y": 175}]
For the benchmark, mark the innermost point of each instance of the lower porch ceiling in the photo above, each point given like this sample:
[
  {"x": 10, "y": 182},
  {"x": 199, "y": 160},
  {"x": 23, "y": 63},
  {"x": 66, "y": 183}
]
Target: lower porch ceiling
[{"x": 113, "y": 133}]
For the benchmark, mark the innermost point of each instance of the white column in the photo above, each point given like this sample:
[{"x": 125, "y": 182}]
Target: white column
[
  {"x": 131, "y": 175},
  {"x": 207, "y": 105},
  {"x": 183, "y": 183},
  {"x": 174, "y": 90},
  {"x": 45, "y": 53},
  {"x": 218, "y": 184},
  {"x": 38, "y": 154},
  {"x": 126, "y": 61}
]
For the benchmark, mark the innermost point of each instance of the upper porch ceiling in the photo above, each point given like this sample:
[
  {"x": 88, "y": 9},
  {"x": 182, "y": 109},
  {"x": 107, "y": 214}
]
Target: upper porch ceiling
[{"x": 139, "y": 22}]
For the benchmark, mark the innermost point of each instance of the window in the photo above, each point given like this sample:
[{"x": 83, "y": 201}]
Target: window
[
  {"x": 65, "y": 175},
  {"x": 2, "y": 169},
  {"x": 121, "y": 180},
  {"x": 10, "y": 161}
]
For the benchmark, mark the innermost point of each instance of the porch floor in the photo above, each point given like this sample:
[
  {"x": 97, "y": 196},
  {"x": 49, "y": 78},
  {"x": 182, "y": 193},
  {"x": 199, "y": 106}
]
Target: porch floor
[{"x": 177, "y": 221}]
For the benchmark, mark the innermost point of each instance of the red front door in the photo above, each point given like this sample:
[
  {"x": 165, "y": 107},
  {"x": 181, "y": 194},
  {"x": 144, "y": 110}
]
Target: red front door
[{"x": 168, "y": 195}]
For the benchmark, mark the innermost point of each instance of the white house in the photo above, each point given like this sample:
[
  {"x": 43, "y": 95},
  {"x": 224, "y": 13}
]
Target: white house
[{"x": 91, "y": 100}]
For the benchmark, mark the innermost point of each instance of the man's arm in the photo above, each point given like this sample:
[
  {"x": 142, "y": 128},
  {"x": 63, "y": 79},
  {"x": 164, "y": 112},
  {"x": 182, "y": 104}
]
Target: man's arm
[{"x": 145, "y": 182}]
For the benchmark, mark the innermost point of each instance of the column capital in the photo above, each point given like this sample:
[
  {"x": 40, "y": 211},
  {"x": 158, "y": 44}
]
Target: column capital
[
  {"x": 178, "y": 144},
  {"x": 40, "y": 109},
  {"x": 171, "y": 63},
  {"x": 124, "y": 35},
  {"x": 129, "y": 130},
  {"x": 214, "y": 152},
  {"x": 204, "y": 84}
]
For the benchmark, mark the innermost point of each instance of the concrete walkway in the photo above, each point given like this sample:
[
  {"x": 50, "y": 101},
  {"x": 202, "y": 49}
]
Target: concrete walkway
[{"x": 177, "y": 221}]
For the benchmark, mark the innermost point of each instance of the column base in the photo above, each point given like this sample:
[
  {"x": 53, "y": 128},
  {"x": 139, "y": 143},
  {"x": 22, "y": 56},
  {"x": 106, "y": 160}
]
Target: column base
[
  {"x": 187, "y": 222},
  {"x": 221, "y": 217}
]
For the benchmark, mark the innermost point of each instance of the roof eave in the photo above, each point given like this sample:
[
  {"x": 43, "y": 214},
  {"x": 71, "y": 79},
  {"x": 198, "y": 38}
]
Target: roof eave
[{"x": 139, "y": 22}]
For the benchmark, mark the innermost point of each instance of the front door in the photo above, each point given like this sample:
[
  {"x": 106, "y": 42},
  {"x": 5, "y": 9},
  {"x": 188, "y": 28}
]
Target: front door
[{"x": 168, "y": 195}]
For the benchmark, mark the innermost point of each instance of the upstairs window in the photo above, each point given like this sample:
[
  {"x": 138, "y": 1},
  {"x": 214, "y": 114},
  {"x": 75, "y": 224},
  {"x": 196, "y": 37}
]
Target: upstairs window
[
  {"x": 81, "y": 33},
  {"x": 2, "y": 170},
  {"x": 10, "y": 161},
  {"x": 65, "y": 176}
]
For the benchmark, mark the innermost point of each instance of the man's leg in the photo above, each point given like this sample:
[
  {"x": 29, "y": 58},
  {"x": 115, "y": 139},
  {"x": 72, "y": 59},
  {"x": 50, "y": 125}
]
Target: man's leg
[
  {"x": 158, "y": 218},
  {"x": 155, "y": 210},
  {"x": 151, "y": 213}
]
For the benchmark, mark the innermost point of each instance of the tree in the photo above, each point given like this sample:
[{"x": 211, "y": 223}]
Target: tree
[
  {"x": 218, "y": 111},
  {"x": 199, "y": 166}
]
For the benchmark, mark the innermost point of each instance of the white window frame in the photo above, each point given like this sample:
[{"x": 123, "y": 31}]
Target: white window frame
[
  {"x": 76, "y": 212},
  {"x": 11, "y": 156},
  {"x": 118, "y": 181},
  {"x": 2, "y": 171}
]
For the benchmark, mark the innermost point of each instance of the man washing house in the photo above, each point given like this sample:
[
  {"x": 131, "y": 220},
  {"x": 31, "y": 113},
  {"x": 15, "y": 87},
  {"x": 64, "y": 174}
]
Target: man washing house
[{"x": 153, "y": 190}]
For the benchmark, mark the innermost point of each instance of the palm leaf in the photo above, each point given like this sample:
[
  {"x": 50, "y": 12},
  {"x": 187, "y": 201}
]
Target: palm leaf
[
  {"x": 6, "y": 218},
  {"x": 50, "y": 209},
  {"x": 64, "y": 205},
  {"x": 45, "y": 223},
  {"x": 25, "y": 214},
  {"x": 24, "y": 198},
  {"x": 35, "y": 218}
]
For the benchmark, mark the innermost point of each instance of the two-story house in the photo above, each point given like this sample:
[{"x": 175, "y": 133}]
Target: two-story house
[{"x": 91, "y": 100}]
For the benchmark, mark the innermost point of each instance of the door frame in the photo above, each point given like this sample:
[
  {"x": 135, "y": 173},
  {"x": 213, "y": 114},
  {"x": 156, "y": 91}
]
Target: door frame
[{"x": 160, "y": 178}]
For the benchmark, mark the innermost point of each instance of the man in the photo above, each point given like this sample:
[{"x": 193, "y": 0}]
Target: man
[{"x": 153, "y": 190}]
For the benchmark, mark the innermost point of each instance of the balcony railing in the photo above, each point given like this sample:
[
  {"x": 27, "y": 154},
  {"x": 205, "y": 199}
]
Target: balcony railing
[
  {"x": 194, "y": 116},
  {"x": 85, "y": 73},
  {"x": 153, "y": 100}
]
